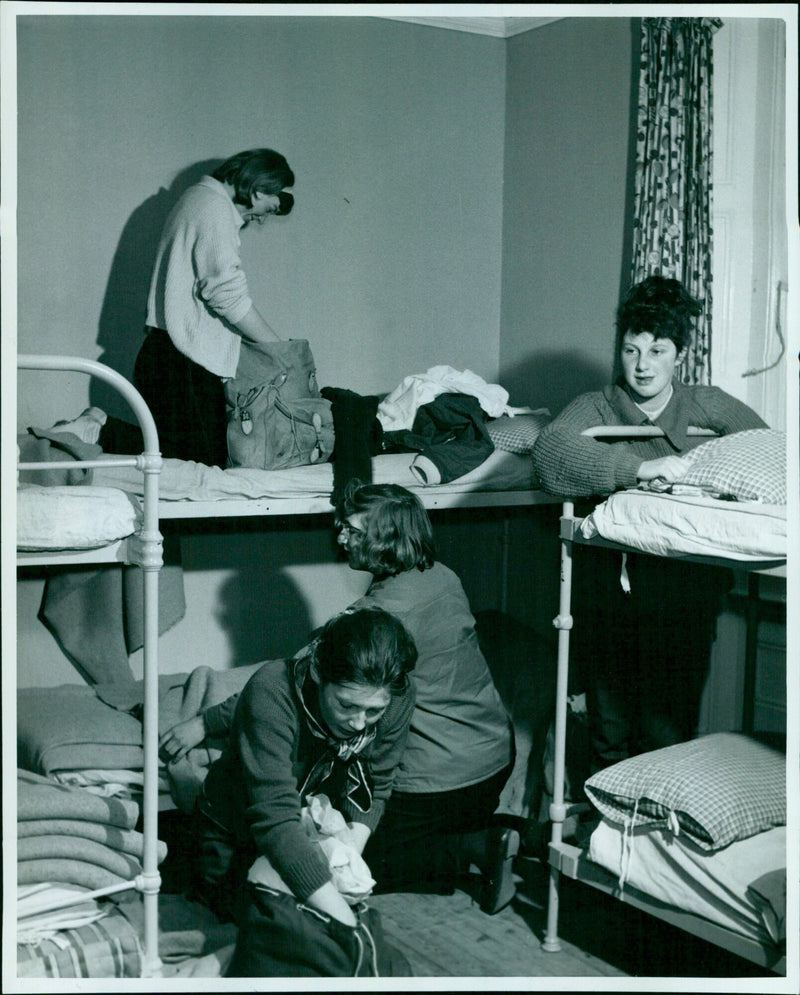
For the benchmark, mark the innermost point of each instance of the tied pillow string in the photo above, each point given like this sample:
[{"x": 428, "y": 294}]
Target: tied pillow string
[
  {"x": 627, "y": 847},
  {"x": 673, "y": 826},
  {"x": 624, "y": 579}
]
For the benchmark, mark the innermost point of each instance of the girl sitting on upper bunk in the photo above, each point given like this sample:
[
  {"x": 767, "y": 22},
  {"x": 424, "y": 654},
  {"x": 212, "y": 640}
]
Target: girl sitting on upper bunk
[
  {"x": 332, "y": 722},
  {"x": 644, "y": 654}
]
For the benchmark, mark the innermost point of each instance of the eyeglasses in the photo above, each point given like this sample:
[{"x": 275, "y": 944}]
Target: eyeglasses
[{"x": 346, "y": 529}]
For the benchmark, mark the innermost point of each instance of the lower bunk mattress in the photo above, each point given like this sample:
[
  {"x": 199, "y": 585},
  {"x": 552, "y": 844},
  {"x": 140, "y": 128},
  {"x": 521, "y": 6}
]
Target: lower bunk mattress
[
  {"x": 741, "y": 887},
  {"x": 682, "y": 525},
  {"x": 700, "y": 827}
]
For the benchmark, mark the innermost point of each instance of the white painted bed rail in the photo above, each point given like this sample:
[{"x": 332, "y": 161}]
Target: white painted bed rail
[
  {"x": 144, "y": 549},
  {"x": 558, "y": 850}
]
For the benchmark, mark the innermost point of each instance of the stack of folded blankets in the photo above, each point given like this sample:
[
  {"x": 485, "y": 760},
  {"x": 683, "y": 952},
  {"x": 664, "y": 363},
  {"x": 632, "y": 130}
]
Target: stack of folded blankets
[
  {"x": 70, "y": 843},
  {"x": 68, "y": 835}
]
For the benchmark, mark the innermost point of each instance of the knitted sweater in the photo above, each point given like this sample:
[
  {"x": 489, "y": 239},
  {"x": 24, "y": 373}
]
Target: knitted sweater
[
  {"x": 253, "y": 790},
  {"x": 572, "y": 465},
  {"x": 198, "y": 288},
  {"x": 460, "y": 732}
]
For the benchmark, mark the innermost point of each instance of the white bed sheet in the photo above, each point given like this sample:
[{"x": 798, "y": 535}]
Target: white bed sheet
[
  {"x": 183, "y": 480},
  {"x": 711, "y": 884},
  {"x": 673, "y": 525}
]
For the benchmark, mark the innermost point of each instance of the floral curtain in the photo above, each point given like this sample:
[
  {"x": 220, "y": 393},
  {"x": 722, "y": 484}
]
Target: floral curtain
[{"x": 672, "y": 231}]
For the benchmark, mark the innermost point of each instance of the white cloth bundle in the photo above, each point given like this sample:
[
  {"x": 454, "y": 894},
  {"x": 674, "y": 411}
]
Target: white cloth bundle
[{"x": 325, "y": 825}]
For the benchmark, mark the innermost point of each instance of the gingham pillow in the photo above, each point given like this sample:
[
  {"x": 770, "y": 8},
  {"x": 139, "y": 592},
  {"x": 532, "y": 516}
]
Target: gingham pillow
[
  {"x": 749, "y": 466},
  {"x": 517, "y": 434},
  {"x": 716, "y": 789}
]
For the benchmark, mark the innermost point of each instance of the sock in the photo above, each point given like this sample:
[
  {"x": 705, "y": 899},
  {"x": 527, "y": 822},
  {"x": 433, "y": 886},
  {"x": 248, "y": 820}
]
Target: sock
[{"x": 86, "y": 426}]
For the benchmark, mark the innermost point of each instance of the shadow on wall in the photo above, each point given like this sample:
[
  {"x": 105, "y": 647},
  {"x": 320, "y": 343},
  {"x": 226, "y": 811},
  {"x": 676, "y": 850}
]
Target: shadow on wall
[
  {"x": 124, "y": 311},
  {"x": 268, "y": 606},
  {"x": 551, "y": 379},
  {"x": 261, "y": 626}
]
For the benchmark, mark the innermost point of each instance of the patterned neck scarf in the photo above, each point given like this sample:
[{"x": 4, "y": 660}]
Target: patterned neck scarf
[{"x": 340, "y": 764}]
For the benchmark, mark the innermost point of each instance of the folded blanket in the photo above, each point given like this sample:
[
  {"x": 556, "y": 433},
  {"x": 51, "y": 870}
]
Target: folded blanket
[
  {"x": 128, "y": 841},
  {"x": 70, "y": 728},
  {"x": 67, "y": 871},
  {"x": 76, "y": 728},
  {"x": 40, "y": 798},
  {"x": 51, "y": 847}
]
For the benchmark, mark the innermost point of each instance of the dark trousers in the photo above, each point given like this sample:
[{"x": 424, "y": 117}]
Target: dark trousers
[
  {"x": 643, "y": 656},
  {"x": 187, "y": 403},
  {"x": 417, "y": 844}
]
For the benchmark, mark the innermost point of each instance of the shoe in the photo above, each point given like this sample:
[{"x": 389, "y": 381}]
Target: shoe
[
  {"x": 535, "y": 842},
  {"x": 498, "y": 872}
]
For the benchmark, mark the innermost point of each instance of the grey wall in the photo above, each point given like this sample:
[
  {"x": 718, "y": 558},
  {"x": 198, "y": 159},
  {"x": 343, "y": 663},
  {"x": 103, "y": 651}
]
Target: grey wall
[
  {"x": 564, "y": 205},
  {"x": 390, "y": 262}
]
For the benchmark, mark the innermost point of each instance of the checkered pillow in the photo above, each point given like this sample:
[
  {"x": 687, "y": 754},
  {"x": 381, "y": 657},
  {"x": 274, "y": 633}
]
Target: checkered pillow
[
  {"x": 716, "y": 789},
  {"x": 519, "y": 433},
  {"x": 749, "y": 466}
]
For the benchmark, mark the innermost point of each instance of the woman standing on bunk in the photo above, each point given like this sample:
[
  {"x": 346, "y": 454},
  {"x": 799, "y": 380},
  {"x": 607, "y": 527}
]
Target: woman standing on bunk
[
  {"x": 644, "y": 655},
  {"x": 199, "y": 309}
]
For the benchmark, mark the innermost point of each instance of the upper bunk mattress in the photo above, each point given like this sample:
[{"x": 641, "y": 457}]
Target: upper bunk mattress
[
  {"x": 73, "y": 517},
  {"x": 680, "y": 525},
  {"x": 184, "y": 480}
]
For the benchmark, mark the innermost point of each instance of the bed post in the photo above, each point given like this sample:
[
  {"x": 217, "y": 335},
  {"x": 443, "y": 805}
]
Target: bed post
[
  {"x": 150, "y": 559},
  {"x": 563, "y": 622},
  {"x": 145, "y": 549}
]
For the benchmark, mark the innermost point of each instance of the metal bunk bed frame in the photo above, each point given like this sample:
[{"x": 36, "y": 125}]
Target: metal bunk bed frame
[
  {"x": 565, "y": 858},
  {"x": 144, "y": 549}
]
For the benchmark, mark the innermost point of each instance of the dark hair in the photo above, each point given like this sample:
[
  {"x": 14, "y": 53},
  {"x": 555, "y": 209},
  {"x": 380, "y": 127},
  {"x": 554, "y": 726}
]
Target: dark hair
[
  {"x": 367, "y": 646},
  {"x": 397, "y": 531},
  {"x": 661, "y": 306},
  {"x": 257, "y": 171}
]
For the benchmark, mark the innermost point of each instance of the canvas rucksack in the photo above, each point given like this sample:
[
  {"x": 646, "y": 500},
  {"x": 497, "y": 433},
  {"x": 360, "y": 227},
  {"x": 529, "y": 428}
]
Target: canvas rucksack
[{"x": 277, "y": 417}]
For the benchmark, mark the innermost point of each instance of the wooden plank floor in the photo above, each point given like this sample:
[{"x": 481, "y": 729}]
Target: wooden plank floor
[{"x": 449, "y": 936}]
